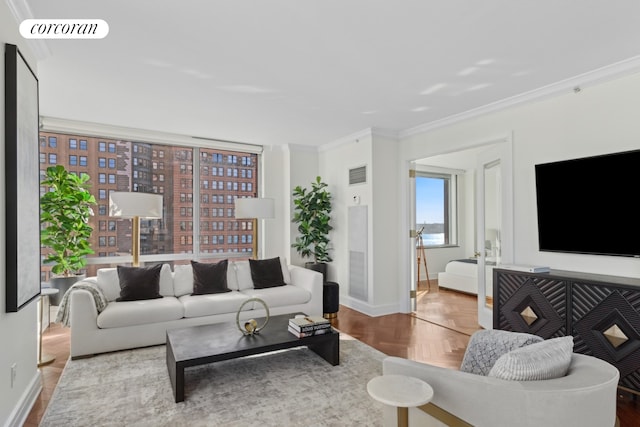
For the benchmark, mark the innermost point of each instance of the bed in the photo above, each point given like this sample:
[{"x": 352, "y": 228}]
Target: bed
[{"x": 462, "y": 275}]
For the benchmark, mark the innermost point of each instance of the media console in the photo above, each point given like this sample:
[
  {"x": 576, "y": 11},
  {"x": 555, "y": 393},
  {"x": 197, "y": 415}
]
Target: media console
[{"x": 601, "y": 312}]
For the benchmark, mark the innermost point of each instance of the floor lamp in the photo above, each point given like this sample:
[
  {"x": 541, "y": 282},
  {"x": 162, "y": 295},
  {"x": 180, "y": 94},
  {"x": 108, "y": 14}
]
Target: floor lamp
[
  {"x": 135, "y": 206},
  {"x": 254, "y": 209}
]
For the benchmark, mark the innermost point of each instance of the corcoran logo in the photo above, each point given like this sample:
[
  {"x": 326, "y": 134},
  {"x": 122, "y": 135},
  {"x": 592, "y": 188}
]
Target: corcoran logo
[{"x": 64, "y": 29}]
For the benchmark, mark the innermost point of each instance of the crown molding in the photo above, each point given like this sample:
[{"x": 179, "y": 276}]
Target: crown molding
[
  {"x": 387, "y": 133},
  {"x": 591, "y": 78},
  {"x": 20, "y": 10},
  {"x": 300, "y": 147},
  {"x": 346, "y": 139},
  {"x": 369, "y": 132}
]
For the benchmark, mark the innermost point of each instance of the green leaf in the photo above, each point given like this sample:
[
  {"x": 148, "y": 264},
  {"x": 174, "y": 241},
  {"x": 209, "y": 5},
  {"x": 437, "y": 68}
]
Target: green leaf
[
  {"x": 312, "y": 209},
  {"x": 65, "y": 211}
]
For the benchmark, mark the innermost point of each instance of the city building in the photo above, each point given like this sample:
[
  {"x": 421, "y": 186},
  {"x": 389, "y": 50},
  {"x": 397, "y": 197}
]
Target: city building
[{"x": 207, "y": 201}]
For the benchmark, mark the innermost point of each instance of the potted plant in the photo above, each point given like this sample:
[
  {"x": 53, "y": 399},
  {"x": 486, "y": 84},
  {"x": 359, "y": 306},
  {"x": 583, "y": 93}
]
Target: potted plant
[
  {"x": 312, "y": 209},
  {"x": 65, "y": 211}
]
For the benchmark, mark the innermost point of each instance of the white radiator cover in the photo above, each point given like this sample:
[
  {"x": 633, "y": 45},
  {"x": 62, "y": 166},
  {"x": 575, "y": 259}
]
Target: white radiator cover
[{"x": 358, "y": 230}]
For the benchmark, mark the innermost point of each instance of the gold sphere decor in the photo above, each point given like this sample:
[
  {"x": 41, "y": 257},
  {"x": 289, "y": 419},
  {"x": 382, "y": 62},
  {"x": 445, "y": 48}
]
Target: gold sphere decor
[{"x": 250, "y": 327}]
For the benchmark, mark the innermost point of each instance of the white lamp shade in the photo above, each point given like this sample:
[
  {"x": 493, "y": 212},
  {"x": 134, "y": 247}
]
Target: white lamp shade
[
  {"x": 129, "y": 205},
  {"x": 254, "y": 208}
]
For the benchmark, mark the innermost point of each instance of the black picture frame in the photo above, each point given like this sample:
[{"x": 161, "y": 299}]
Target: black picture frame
[{"x": 22, "y": 181}]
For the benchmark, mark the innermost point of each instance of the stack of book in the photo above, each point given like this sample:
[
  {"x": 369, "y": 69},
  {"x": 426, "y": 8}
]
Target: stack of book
[{"x": 308, "y": 326}]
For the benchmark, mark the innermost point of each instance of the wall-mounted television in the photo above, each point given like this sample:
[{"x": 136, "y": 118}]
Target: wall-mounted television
[{"x": 589, "y": 205}]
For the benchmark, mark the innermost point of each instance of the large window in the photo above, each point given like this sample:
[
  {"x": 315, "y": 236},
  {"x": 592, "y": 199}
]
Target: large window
[
  {"x": 183, "y": 232},
  {"x": 436, "y": 212}
]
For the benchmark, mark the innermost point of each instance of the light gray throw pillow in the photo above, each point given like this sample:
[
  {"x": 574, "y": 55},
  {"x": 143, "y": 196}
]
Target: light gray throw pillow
[
  {"x": 540, "y": 361},
  {"x": 486, "y": 346}
]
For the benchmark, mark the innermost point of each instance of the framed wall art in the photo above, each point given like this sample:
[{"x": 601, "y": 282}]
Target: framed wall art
[{"x": 22, "y": 181}]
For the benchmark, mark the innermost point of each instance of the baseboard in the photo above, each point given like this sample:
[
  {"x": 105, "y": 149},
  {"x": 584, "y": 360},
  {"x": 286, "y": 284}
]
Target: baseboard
[
  {"x": 27, "y": 400},
  {"x": 368, "y": 309}
]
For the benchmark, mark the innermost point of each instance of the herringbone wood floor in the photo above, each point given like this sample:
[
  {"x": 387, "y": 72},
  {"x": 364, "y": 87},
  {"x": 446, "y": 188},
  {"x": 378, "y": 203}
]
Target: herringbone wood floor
[
  {"x": 454, "y": 310},
  {"x": 401, "y": 335}
]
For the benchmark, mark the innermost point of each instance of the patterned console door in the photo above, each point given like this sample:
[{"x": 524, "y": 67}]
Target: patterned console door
[
  {"x": 601, "y": 312},
  {"x": 531, "y": 303},
  {"x": 606, "y": 324}
]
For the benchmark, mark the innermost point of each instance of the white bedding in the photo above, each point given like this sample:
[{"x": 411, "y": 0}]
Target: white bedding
[
  {"x": 460, "y": 276},
  {"x": 462, "y": 268},
  {"x": 463, "y": 276}
]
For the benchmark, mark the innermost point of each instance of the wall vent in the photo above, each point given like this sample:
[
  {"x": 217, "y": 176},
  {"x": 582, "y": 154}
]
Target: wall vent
[{"x": 358, "y": 175}]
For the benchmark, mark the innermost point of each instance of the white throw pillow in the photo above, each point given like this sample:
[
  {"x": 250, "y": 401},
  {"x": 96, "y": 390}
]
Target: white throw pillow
[
  {"x": 488, "y": 345},
  {"x": 166, "y": 281},
  {"x": 109, "y": 283},
  {"x": 243, "y": 275},
  {"x": 540, "y": 361},
  {"x": 286, "y": 275},
  {"x": 182, "y": 279},
  {"x": 232, "y": 281}
]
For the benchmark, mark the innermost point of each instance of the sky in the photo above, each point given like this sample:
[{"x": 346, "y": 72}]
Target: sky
[{"x": 429, "y": 200}]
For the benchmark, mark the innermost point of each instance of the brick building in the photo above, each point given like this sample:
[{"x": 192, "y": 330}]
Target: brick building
[{"x": 116, "y": 165}]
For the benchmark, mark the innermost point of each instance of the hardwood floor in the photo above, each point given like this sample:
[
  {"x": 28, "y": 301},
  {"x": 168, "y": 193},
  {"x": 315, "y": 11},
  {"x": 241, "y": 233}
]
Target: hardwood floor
[
  {"x": 55, "y": 342},
  {"x": 454, "y": 310},
  {"x": 402, "y": 335}
]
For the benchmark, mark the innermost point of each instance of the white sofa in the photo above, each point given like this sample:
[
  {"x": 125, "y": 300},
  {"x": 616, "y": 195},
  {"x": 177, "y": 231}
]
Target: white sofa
[
  {"x": 131, "y": 324},
  {"x": 585, "y": 397}
]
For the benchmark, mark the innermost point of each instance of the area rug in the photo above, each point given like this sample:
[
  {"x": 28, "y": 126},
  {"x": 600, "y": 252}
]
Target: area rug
[{"x": 287, "y": 388}]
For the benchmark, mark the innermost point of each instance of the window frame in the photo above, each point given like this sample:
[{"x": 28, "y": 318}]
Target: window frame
[{"x": 85, "y": 143}]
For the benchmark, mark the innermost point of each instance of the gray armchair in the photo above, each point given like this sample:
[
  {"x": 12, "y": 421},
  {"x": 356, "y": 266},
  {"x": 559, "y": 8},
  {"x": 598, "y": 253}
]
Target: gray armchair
[{"x": 585, "y": 396}]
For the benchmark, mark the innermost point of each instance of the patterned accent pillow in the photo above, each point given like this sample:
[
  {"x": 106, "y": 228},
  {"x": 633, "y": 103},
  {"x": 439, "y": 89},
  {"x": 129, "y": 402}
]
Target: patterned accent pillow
[
  {"x": 487, "y": 346},
  {"x": 541, "y": 361}
]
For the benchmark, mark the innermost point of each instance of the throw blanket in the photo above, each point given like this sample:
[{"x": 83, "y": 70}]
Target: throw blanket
[{"x": 89, "y": 284}]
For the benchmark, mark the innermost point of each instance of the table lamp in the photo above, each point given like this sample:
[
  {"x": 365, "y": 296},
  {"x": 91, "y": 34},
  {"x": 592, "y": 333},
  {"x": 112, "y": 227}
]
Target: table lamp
[
  {"x": 135, "y": 206},
  {"x": 254, "y": 208}
]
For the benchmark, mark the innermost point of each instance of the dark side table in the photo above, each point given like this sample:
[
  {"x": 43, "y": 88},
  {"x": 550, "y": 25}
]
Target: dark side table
[{"x": 330, "y": 300}]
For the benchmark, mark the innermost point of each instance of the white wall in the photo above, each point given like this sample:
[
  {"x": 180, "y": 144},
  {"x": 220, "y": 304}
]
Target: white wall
[
  {"x": 18, "y": 331},
  {"x": 380, "y": 194},
  {"x": 274, "y": 174},
  {"x": 304, "y": 169},
  {"x": 335, "y": 162},
  {"x": 385, "y": 216},
  {"x": 597, "y": 120}
]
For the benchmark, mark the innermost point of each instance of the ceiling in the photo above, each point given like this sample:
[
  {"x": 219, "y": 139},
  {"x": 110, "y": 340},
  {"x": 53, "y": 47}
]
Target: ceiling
[{"x": 311, "y": 72}]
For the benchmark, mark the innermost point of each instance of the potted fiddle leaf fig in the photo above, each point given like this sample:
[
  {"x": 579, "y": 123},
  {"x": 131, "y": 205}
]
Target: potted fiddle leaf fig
[
  {"x": 65, "y": 212},
  {"x": 312, "y": 213}
]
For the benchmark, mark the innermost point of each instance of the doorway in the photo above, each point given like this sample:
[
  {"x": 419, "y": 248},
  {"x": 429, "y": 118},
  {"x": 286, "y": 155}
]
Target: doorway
[{"x": 479, "y": 236}]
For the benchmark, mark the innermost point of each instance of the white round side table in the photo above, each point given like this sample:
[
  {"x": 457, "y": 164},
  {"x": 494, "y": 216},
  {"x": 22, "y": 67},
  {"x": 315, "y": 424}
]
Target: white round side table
[{"x": 401, "y": 391}]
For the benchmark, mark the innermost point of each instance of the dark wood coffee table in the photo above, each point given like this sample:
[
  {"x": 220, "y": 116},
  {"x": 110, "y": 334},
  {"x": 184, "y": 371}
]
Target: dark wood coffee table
[{"x": 199, "y": 345}]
